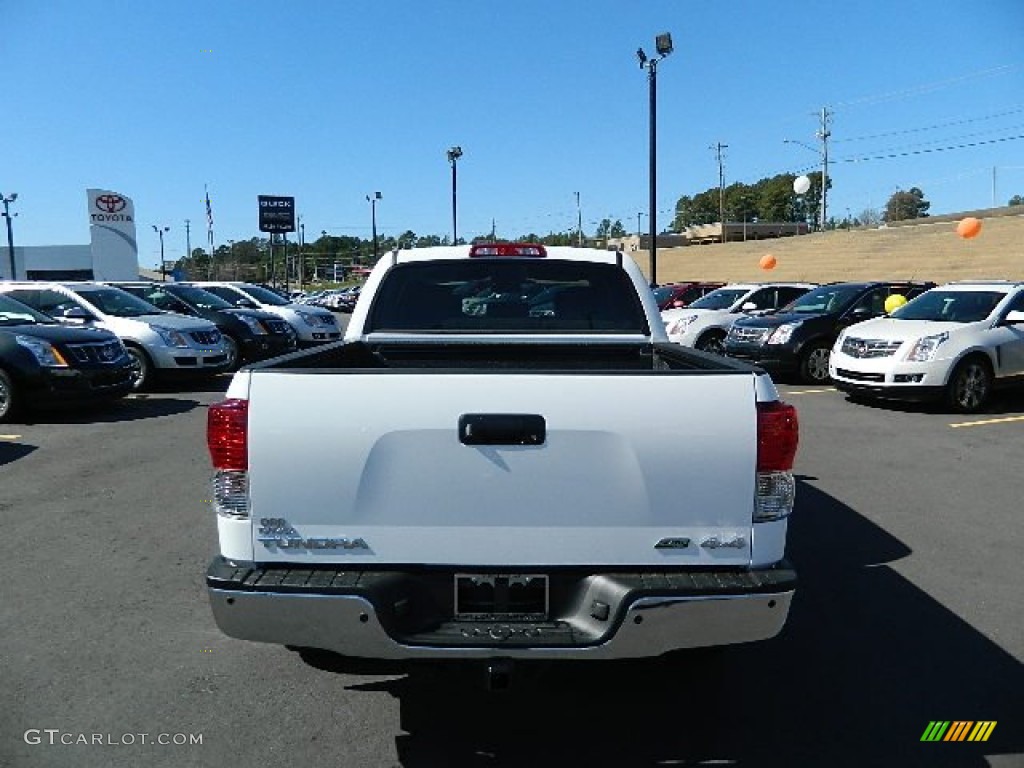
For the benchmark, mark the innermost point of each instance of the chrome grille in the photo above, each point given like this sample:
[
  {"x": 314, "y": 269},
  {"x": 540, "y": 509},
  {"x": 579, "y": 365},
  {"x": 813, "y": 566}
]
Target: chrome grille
[
  {"x": 99, "y": 352},
  {"x": 205, "y": 337},
  {"x": 865, "y": 348},
  {"x": 743, "y": 335}
]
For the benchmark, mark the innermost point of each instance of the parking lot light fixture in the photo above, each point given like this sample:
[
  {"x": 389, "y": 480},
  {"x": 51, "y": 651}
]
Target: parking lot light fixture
[
  {"x": 163, "y": 266},
  {"x": 663, "y": 47},
  {"x": 372, "y": 200},
  {"x": 7, "y": 200},
  {"x": 454, "y": 153}
]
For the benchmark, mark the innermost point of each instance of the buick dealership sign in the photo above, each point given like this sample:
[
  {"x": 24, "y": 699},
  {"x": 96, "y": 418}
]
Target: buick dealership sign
[{"x": 277, "y": 214}]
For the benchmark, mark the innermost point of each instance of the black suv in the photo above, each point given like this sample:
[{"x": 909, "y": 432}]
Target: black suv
[
  {"x": 251, "y": 334},
  {"x": 798, "y": 338},
  {"x": 44, "y": 362}
]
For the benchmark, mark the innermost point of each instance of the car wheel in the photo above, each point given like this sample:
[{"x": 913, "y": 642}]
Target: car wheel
[
  {"x": 234, "y": 358},
  {"x": 8, "y": 397},
  {"x": 814, "y": 364},
  {"x": 969, "y": 386},
  {"x": 713, "y": 341},
  {"x": 142, "y": 369}
]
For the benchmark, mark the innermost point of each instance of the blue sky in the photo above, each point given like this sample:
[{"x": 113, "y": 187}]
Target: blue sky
[{"x": 331, "y": 101}]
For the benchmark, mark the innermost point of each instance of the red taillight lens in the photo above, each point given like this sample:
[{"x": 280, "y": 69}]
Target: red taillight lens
[
  {"x": 778, "y": 433},
  {"x": 507, "y": 249},
  {"x": 227, "y": 434}
]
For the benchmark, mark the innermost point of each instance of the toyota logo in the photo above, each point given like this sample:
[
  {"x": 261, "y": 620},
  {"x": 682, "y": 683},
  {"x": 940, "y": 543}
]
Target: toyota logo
[{"x": 110, "y": 203}]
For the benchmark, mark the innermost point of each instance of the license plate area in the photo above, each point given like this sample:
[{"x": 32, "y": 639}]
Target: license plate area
[{"x": 501, "y": 596}]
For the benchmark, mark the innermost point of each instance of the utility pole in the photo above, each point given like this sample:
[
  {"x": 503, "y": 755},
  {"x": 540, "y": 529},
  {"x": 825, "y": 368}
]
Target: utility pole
[
  {"x": 188, "y": 240},
  {"x": 302, "y": 257},
  {"x": 721, "y": 185},
  {"x": 823, "y": 134}
]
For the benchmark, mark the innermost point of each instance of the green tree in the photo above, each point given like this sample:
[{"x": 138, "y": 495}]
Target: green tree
[
  {"x": 1016, "y": 200},
  {"x": 906, "y": 204}
]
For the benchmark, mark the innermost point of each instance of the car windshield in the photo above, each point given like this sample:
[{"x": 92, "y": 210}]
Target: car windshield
[
  {"x": 118, "y": 303},
  {"x": 263, "y": 296},
  {"x": 199, "y": 298},
  {"x": 827, "y": 298},
  {"x": 950, "y": 306},
  {"x": 13, "y": 312},
  {"x": 723, "y": 298}
]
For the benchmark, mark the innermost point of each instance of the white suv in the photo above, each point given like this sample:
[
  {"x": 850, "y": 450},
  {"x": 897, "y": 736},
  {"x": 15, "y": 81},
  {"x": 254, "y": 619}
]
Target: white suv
[
  {"x": 955, "y": 342},
  {"x": 705, "y": 323}
]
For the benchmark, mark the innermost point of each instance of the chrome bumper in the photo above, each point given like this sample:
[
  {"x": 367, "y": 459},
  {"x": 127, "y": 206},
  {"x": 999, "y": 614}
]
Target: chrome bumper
[{"x": 650, "y": 625}]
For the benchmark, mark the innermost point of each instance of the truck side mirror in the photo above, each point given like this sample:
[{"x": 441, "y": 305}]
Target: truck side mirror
[{"x": 76, "y": 314}]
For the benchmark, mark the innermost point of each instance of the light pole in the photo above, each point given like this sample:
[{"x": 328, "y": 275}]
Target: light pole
[
  {"x": 372, "y": 200},
  {"x": 663, "y": 46},
  {"x": 7, "y": 200},
  {"x": 163, "y": 268},
  {"x": 454, "y": 153},
  {"x": 579, "y": 221}
]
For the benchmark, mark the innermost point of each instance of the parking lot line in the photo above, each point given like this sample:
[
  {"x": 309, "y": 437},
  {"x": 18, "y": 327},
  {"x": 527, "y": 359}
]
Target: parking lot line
[
  {"x": 985, "y": 422},
  {"x": 10, "y": 437},
  {"x": 810, "y": 391}
]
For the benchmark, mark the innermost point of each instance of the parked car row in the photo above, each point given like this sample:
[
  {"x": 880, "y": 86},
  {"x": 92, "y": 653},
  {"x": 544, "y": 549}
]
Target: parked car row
[
  {"x": 957, "y": 342},
  {"x": 101, "y": 340},
  {"x": 337, "y": 299}
]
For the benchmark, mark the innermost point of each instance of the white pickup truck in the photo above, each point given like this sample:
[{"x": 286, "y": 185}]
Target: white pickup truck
[{"x": 526, "y": 468}]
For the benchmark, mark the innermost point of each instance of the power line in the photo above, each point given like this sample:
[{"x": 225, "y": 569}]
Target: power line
[
  {"x": 933, "y": 127},
  {"x": 928, "y": 87},
  {"x": 862, "y": 159}
]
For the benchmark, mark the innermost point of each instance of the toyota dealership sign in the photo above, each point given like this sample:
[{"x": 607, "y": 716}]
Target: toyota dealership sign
[{"x": 277, "y": 214}]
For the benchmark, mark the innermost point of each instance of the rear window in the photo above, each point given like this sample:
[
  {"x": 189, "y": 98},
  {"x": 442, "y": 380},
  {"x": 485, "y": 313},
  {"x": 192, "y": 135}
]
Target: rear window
[{"x": 503, "y": 295}]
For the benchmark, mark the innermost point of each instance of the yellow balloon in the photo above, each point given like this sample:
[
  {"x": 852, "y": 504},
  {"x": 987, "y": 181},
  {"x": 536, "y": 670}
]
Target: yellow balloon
[{"x": 894, "y": 302}]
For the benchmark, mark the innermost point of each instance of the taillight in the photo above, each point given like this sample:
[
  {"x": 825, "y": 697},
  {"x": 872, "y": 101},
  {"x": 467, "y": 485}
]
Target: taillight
[
  {"x": 227, "y": 426},
  {"x": 227, "y": 434},
  {"x": 778, "y": 433},
  {"x": 507, "y": 249}
]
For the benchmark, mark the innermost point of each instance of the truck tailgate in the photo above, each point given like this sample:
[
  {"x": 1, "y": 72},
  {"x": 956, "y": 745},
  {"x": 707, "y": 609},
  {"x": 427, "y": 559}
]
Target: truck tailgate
[{"x": 627, "y": 461}]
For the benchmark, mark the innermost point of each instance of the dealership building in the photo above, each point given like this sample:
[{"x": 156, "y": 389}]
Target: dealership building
[{"x": 112, "y": 254}]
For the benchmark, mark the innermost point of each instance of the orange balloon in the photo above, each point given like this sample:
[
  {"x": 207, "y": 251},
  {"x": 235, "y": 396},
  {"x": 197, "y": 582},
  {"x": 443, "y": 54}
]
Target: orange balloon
[
  {"x": 969, "y": 227},
  {"x": 768, "y": 261}
]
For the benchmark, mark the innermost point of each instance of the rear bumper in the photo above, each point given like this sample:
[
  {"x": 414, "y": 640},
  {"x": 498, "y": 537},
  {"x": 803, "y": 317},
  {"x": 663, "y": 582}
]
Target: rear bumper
[{"x": 402, "y": 615}]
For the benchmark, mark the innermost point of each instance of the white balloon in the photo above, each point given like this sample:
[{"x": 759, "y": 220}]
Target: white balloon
[{"x": 801, "y": 184}]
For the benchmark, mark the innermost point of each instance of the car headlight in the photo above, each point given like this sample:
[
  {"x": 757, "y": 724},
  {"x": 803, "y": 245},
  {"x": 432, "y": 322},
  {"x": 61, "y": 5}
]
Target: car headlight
[
  {"x": 307, "y": 318},
  {"x": 680, "y": 325},
  {"x": 44, "y": 352},
  {"x": 924, "y": 349},
  {"x": 254, "y": 325},
  {"x": 171, "y": 337},
  {"x": 783, "y": 333}
]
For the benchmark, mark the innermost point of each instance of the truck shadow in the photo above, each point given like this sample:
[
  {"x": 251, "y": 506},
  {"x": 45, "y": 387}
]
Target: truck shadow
[
  {"x": 866, "y": 661},
  {"x": 132, "y": 408},
  {"x": 11, "y": 452}
]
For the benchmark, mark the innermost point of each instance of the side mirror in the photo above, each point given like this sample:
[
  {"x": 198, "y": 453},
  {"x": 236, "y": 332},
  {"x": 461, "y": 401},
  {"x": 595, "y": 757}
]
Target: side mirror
[
  {"x": 748, "y": 307},
  {"x": 860, "y": 313},
  {"x": 1013, "y": 318},
  {"x": 76, "y": 315},
  {"x": 677, "y": 304},
  {"x": 246, "y": 304}
]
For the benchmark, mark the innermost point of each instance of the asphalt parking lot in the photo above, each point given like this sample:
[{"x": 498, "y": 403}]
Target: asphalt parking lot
[{"x": 907, "y": 537}]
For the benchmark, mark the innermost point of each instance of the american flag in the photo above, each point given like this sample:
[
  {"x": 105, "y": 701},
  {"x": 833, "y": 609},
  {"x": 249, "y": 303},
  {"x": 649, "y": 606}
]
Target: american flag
[{"x": 209, "y": 214}]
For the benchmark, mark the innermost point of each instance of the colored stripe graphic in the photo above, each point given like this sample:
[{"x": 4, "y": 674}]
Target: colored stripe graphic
[
  {"x": 982, "y": 730},
  {"x": 958, "y": 730}
]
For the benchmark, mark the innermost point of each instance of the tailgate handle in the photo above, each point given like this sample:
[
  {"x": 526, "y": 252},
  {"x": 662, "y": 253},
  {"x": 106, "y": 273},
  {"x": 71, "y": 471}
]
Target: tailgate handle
[{"x": 502, "y": 429}]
